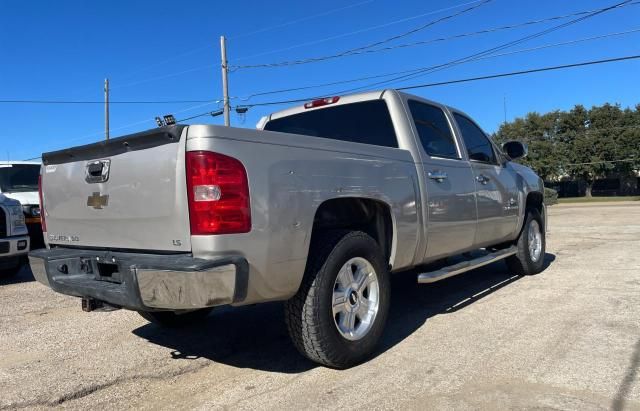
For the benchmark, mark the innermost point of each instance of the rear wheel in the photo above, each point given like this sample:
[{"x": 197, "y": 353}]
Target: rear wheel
[
  {"x": 175, "y": 319},
  {"x": 531, "y": 246},
  {"x": 338, "y": 315}
]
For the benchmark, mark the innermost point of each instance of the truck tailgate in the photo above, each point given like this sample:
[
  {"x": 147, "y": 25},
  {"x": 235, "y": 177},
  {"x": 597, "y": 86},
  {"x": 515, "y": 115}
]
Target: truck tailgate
[{"x": 125, "y": 193}]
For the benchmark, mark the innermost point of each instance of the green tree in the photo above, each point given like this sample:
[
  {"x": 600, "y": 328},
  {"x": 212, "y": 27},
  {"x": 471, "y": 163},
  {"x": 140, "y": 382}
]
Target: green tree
[
  {"x": 584, "y": 144},
  {"x": 539, "y": 133}
]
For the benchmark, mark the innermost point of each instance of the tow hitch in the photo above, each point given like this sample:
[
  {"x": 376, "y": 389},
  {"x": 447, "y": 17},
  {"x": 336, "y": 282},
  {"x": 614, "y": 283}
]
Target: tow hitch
[{"x": 91, "y": 304}]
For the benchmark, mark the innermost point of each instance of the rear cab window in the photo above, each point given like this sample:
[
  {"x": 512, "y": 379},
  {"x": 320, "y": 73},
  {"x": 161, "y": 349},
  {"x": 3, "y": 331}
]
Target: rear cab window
[{"x": 367, "y": 122}]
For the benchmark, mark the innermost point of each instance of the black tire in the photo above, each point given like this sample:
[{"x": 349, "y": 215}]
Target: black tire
[
  {"x": 522, "y": 263},
  {"x": 172, "y": 319},
  {"x": 309, "y": 316}
]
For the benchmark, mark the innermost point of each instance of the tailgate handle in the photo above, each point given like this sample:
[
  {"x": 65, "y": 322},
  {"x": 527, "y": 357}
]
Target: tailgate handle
[{"x": 97, "y": 171}]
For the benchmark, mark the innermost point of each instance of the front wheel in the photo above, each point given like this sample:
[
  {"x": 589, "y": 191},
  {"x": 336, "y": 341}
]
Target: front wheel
[
  {"x": 531, "y": 246},
  {"x": 175, "y": 319},
  {"x": 338, "y": 315}
]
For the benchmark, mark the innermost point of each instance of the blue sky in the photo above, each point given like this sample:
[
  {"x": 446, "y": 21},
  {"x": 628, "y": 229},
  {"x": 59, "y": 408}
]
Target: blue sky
[{"x": 164, "y": 50}]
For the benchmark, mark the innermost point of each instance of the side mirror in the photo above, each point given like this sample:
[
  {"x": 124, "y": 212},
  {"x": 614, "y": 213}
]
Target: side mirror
[{"x": 514, "y": 149}]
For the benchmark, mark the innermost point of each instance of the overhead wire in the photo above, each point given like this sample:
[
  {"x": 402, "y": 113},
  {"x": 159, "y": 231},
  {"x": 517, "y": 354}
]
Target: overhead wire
[
  {"x": 354, "y": 80},
  {"x": 492, "y": 50},
  {"x": 129, "y": 125},
  {"x": 242, "y": 35},
  {"x": 246, "y": 98},
  {"x": 477, "y": 78},
  {"x": 34, "y": 101},
  {"x": 380, "y": 42},
  {"x": 300, "y": 20},
  {"x": 351, "y": 33},
  {"x": 422, "y": 42},
  {"x": 209, "y": 66}
]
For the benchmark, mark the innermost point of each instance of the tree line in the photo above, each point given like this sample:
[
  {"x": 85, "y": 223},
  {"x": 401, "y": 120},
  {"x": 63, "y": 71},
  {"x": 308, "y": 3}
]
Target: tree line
[{"x": 579, "y": 144}]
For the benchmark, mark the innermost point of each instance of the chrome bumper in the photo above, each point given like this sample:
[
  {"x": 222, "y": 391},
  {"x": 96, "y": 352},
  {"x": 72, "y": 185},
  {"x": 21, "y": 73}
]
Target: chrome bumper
[{"x": 142, "y": 281}]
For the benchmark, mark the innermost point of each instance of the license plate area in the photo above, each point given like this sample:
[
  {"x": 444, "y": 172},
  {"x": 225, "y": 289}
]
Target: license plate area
[
  {"x": 89, "y": 267},
  {"x": 108, "y": 271}
]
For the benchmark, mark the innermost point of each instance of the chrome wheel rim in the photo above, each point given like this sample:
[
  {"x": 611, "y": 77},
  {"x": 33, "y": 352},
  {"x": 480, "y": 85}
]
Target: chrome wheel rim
[
  {"x": 535, "y": 241},
  {"x": 356, "y": 298}
]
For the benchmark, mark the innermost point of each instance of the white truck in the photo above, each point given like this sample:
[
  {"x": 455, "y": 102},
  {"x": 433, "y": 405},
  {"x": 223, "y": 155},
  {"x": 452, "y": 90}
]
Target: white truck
[
  {"x": 14, "y": 238},
  {"x": 19, "y": 180},
  {"x": 315, "y": 208}
]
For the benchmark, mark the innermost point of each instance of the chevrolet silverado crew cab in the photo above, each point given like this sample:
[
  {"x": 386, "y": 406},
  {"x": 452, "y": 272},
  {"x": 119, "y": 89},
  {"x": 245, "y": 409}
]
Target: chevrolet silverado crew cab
[
  {"x": 14, "y": 238},
  {"x": 315, "y": 208}
]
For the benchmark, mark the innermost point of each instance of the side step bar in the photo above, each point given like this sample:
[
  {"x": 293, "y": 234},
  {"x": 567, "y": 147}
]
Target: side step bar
[{"x": 464, "y": 266}]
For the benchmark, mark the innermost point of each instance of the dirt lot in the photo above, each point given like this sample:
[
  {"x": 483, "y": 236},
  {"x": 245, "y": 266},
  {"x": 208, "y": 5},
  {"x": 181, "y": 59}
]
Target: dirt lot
[{"x": 568, "y": 338}]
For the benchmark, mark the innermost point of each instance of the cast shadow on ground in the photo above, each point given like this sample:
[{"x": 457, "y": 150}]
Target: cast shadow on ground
[
  {"x": 256, "y": 337},
  {"x": 23, "y": 276},
  {"x": 627, "y": 382}
]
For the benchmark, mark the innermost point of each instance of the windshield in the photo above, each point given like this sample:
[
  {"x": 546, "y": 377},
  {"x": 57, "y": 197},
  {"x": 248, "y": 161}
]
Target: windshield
[{"x": 19, "y": 177}]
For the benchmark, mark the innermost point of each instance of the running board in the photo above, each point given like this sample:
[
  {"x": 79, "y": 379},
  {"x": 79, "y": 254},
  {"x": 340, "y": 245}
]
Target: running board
[{"x": 464, "y": 266}]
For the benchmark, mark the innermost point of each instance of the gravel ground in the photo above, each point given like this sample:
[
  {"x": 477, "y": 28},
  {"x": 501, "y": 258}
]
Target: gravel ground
[{"x": 568, "y": 338}]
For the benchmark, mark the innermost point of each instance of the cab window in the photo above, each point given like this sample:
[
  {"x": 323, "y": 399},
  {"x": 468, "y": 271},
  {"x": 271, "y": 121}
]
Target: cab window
[
  {"x": 433, "y": 129},
  {"x": 479, "y": 148},
  {"x": 367, "y": 122}
]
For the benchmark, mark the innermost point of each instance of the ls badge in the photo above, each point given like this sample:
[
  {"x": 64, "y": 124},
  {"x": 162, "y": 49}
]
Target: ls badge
[{"x": 98, "y": 201}]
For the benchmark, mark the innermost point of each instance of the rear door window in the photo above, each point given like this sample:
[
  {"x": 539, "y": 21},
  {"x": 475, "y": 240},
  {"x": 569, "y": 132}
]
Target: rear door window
[
  {"x": 478, "y": 145},
  {"x": 368, "y": 122},
  {"x": 434, "y": 130}
]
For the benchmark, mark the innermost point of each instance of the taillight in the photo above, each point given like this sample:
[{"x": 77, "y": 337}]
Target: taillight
[
  {"x": 218, "y": 193},
  {"x": 42, "y": 213},
  {"x": 321, "y": 102}
]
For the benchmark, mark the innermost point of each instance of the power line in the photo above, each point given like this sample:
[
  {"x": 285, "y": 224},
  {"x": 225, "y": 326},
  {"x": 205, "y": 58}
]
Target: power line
[
  {"x": 521, "y": 72},
  {"x": 300, "y": 20},
  {"x": 421, "y": 43},
  {"x": 351, "y": 33},
  {"x": 545, "y": 46},
  {"x": 626, "y": 160},
  {"x": 480, "y": 55},
  {"x": 209, "y": 66},
  {"x": 148, "y": 120},
  {"x": 208, "y": 46},
  {"x": 489, "y": 51},
  {"x": 470, "y": 79},
  {"x": 375, "y": 44},
  {"x": 102, "y": 102}
]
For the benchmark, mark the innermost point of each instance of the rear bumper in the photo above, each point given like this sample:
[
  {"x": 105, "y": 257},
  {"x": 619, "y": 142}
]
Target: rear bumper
[{"x": 143, "y": 282}]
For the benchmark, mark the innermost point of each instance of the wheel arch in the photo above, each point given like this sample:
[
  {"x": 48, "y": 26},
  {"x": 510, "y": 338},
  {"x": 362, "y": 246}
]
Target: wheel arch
[
  {"x": 533, "y": 200},
  {"x": 372, "y": 216}
]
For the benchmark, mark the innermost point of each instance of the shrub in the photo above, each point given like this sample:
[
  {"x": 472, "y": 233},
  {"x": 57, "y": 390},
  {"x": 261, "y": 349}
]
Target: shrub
[{"x": 550, "y": 196}]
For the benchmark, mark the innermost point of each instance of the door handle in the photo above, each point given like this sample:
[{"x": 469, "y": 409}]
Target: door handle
[
  {"x": 482, "y": 179},
  {"x": 437, "y": 175}
]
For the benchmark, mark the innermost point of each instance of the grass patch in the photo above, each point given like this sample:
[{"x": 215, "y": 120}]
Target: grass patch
[{"x": 597, "y": 199}]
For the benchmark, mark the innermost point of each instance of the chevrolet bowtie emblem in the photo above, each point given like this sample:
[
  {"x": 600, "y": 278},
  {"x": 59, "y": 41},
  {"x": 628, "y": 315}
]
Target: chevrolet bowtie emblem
[{"x": 97, "y": 201}]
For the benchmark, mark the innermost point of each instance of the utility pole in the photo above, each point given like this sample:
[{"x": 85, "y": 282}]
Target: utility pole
[
  {"x": 106, "y": 109},
  {"x": 504, "y": 106},
  {"x": 225, "y": 80}
]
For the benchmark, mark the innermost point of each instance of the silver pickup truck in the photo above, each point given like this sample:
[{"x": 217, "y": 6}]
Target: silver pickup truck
[{"x": 315, "y": 208}]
